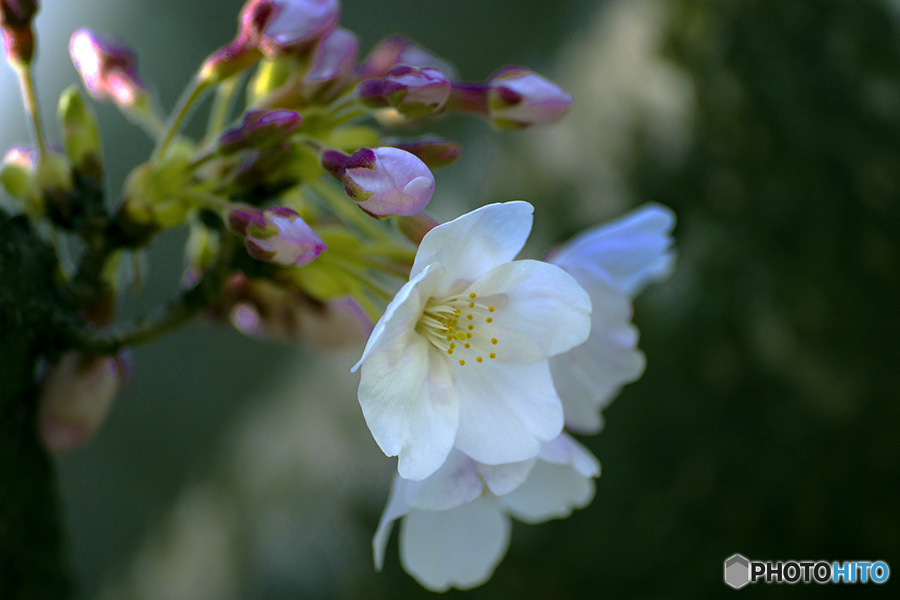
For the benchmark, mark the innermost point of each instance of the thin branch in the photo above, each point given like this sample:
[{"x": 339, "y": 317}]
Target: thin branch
[{"x": 170, "y": 316}]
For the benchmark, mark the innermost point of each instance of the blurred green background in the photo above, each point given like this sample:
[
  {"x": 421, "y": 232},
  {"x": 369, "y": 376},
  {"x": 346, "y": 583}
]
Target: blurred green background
[{"x": 767, "y": 422}]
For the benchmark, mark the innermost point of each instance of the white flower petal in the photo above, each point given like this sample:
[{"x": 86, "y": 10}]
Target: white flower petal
[
  {"x": 589, "y": 376},
  {"x": 475, "y": 243},
  {"x": 564, "y": 450},
  {"x": 551, "y": 492},
  {"x": 395, "y": 508},
  {"x": 404, "y": 392},
  {"x": 541, "y": 302},
  {"x": 502, "y": 479},
  {"x": 505, "y": 411},
  {"x": 459, "y": 547},
  {"x": 454, "y": 484},
  {"x": 401, "y": 314},
  {"x": 632, "y": 251}
]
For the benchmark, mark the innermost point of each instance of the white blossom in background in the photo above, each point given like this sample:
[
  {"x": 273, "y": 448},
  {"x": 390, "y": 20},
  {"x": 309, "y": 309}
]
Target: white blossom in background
[
  {"x": 455, "y": 525},
  {"x": 613, "y": 263},
  {"x": 459, "y": 358}
]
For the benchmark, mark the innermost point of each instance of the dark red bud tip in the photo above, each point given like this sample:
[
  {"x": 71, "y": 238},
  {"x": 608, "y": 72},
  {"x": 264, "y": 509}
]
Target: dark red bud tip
[
  {"x": 260, "y": 128},
  {"x": 240, "y": 218},
  {"x": 372, "y": 93},
  {"x": 17, "y": 14},
  {"x": 335, "y": 163},
  {"x": 364, "y": 158}
]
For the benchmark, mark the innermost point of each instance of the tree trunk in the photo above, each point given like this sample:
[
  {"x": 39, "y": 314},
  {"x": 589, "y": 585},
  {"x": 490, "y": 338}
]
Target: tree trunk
[{"x": 31, "y": 557}]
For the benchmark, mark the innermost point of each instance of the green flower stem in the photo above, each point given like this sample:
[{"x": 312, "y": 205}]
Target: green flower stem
[
  {"x": 145, "y": 115},
  {"x": 169, "y": 317},
  {"x": 403, "y": 252},
  {"x": 190, "y": 95},
  {"x": 29, "y": 97},
  {"x": 345, "y": 118},
  {"x": 221, "y": 109}
]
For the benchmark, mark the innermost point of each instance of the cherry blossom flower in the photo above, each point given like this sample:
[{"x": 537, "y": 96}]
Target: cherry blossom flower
[
  {"x": 459, "y": 357},
  {"x": 613, "y": 263},
  {"x": 455, "y": 526},
  {"x": 519, "y": 97}
]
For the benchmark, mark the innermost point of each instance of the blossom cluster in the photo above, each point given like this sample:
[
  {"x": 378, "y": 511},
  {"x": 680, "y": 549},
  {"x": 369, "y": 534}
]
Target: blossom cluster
[
  {"x": 479, "y": 363},
  {"x": 306, "y": 221}
]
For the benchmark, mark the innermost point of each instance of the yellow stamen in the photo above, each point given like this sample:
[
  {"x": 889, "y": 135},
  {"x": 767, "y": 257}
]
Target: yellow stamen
[{"x": 439, "y": 324}]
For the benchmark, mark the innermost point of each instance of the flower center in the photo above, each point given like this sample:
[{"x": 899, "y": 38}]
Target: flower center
[{"x": 460, "y": 326}]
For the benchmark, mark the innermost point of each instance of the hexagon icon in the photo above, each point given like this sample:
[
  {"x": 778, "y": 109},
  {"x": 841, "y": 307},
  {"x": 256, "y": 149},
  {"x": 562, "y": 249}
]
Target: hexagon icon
[{"x": 737, "y": 571}]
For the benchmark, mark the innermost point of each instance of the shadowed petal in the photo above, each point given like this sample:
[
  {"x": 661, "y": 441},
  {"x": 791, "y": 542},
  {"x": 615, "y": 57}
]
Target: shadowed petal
[
  {"x": 458, "y": 548},
  {"x": 506, "y": 411}
]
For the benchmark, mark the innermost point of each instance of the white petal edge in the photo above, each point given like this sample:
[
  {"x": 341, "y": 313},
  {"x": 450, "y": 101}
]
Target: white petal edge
[
  {"x": 457, "y": 482},
  {"x": 632, "y": 251},
  {"x": 395, "y": 508},
  {"x": 475, "y": 243},
  {"x": 589, "y": 376},
  {"x": 403, "y": 311},
  {"x": 564, "y": 450},
  {"x": 458, "y": 548},
  {"x": 405, "y": 395},
  {"x": 552, "y": 491},
  {"x": 504, "y": 478}
]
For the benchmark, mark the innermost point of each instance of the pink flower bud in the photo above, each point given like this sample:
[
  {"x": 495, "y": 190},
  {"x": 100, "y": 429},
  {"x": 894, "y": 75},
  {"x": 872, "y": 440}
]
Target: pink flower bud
[
  {"x": 331, "y": 65},
  {"x": 397, "y": 50},
  {"x": 271, "y": 28},
  {"x": 282, "y": 26},
  {"x": 276, "y": 235},
  {"x": 277, "y": 311},
  {"x": 387, "y": 181},
  {"x": 15, "y": 25},
  {"x": 518, "y": 97},
  {"x": 107, "y": 67},
  {"x": 433, "y": 150},
  {"x": 76, "y": 396},
  {"x": 260, "y": 128},
  {"x": 415, "y": 92}
]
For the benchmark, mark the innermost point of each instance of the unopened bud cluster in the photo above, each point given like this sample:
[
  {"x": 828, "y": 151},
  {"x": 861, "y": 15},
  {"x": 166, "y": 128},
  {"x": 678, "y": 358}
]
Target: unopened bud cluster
[{"x": 305, "y": 203}]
